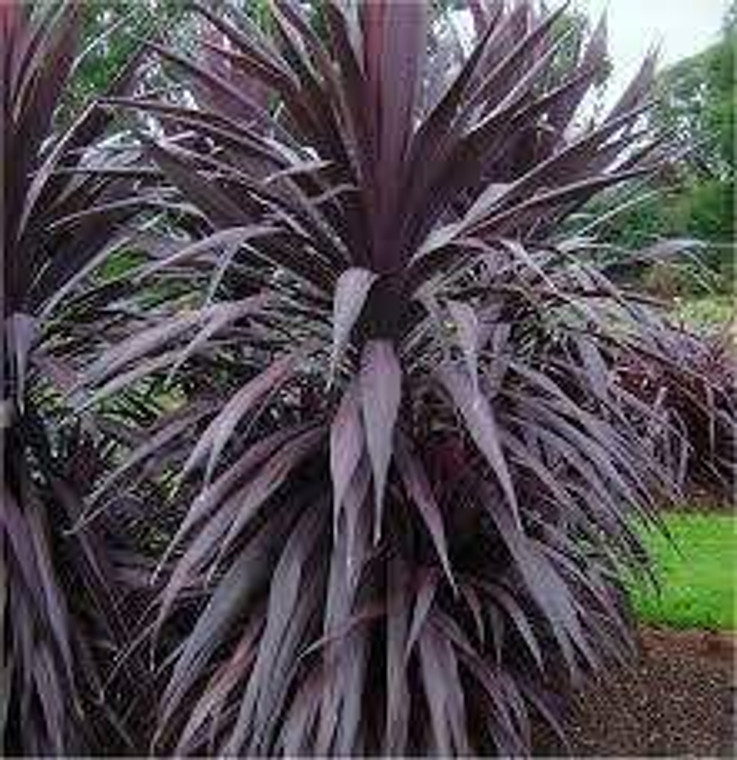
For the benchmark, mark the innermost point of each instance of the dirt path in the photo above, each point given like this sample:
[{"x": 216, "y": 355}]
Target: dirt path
[{"x": 677, "y": 700}]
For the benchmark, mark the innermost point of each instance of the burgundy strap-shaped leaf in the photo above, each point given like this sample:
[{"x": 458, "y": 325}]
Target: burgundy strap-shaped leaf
[
  {"x": 336, "y": 624},
  {"x": 504, "y": 599},
  {"x": 242, "y": 581},
  {"x": 221, "y": 428},
  {"x": 381, "y": 389},
  {"x": 423, "y": 602},
  {"x": 56, "y": 610},
  {"x": 351, "y": 292},
  {"x": 220, "y": 209},
  {"x": 291, "y": 593},
  {"x": 346, "y": 446},
  {"x": 268, "y": 479},
  {"x": 402, "y": 32},
  {"x": 397, "y": 630},
  {"x": 482, "y": 426},
  {"x": 551, "y": 594},
  {"x": 212, "y": 704},
  {"x": 185, "y": 571},
  {"x": 435, "y": 128},
  {"x": 16, "y": 536},
  {"x": 497, "y": 688},
  {"x": 231, "y": 236},
  {"x": 241, "y": 106},
  {"x": 357, "y": 510},
  {"x": 217, "y": 492},
  {"x": 441, "y": 681},
  {"x": 139, "y": 345},
  {"x": 418, "y": 487}
]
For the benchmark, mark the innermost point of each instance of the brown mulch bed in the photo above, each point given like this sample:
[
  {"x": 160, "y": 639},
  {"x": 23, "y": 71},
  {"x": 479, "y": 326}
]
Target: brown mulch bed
[
  {"x": 678, "y": 699},
  {"x": 705, "y": 501}
]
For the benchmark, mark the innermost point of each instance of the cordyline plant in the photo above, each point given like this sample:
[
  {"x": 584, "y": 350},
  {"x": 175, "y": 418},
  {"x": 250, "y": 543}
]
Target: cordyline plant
[
  {"x": 416, "y": 470},
  {"x": 695, "y": 389},
  {"x": 61, "y": 620}
]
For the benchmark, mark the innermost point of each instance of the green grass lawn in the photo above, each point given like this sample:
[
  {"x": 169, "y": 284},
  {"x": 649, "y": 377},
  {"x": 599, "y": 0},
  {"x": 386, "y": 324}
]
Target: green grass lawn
[
  {"x": 706, "y": 311},
  {"x": 697, "y": 572}
]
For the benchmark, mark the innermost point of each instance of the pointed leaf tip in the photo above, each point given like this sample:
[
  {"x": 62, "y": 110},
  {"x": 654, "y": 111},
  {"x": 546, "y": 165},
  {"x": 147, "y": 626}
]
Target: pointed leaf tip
[
  {"x": 346, "y": 445},
  {"x": 381, "y": 387},
  {"x": 351, "y": 291}
]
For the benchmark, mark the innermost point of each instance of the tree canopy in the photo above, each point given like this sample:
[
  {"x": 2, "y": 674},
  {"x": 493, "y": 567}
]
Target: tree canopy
[
  {"x": 695, "y": 106},
  {"x": 697, "y": 101}
]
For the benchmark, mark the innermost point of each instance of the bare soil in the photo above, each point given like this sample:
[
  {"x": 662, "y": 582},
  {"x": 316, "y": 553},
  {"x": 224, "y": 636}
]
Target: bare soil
[{"x": 677, "y": 700}]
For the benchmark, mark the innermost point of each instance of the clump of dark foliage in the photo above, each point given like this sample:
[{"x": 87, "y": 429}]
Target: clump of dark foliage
[
  {"x": 346, "y": 459},
  {"x": 67, "y": 600},
  {"x": 694, "y": 388}
]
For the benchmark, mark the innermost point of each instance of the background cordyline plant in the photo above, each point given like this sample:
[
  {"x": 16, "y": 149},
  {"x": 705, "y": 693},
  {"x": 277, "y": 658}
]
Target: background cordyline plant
[
  {"x": 63, "y": 592},
  {"x": 696, "y": 391},
  {"x": 402, "y": 466}
]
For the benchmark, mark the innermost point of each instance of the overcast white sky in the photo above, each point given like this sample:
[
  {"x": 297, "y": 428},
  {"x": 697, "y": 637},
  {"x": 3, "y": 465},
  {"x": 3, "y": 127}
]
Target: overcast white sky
[{"x": 680, "y": 27}]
